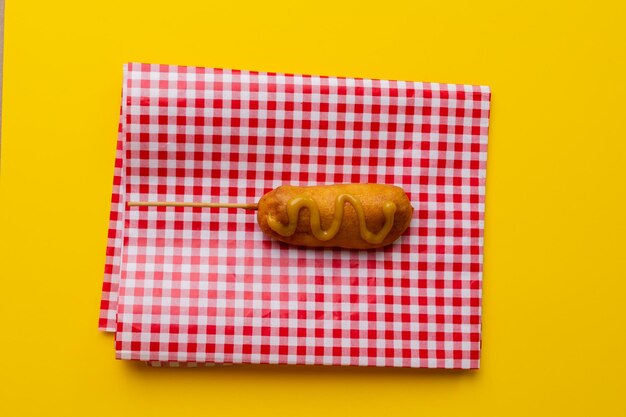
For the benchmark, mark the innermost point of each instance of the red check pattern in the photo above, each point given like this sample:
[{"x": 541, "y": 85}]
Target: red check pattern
[
  {"x": 108, "y": 301},
  {"x": 205, "y": 285}
]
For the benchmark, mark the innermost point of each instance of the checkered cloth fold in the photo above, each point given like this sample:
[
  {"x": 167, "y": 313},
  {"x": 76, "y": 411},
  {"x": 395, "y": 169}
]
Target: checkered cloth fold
[{"x": 205, "y": 285}]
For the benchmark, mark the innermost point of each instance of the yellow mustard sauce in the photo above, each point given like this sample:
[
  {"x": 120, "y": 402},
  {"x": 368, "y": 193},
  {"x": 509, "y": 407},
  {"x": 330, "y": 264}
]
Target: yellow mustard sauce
[{"x": 297, "y": 203}]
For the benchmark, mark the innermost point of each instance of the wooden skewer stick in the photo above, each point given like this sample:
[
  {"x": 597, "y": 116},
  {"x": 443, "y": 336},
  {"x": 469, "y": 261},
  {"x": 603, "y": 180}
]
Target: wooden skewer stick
[{"x": 244, "y": 206}]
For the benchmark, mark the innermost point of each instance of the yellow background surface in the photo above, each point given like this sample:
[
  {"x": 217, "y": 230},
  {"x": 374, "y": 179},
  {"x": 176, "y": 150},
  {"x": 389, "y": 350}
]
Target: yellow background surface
[{"x": 554, "y": 339}]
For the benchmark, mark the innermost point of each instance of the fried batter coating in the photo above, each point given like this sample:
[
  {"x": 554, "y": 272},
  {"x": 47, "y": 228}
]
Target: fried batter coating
[{"x": 372, "y": 199}]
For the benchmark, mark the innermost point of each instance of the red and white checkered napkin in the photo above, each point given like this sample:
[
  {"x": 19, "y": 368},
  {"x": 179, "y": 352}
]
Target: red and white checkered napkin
[{"x": 205, "y": 285}]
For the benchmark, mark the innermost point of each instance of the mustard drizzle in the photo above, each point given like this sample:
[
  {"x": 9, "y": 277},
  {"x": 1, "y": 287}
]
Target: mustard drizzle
[{"x": 297, "y": 203}]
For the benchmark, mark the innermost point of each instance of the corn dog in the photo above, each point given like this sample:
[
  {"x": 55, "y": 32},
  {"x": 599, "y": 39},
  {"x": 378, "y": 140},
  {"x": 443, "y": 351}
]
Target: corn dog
[{"x": 351, "y": 216}]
